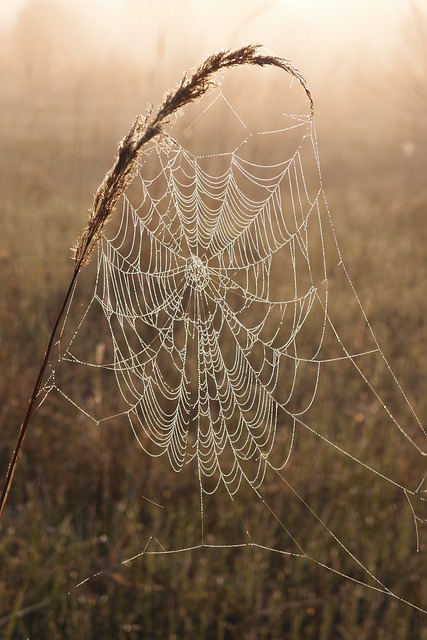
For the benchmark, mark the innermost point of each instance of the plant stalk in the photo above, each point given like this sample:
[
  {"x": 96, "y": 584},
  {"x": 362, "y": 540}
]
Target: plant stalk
[
  {"x": 121, "y": 175},
  {"x": 31, "y": 404}
]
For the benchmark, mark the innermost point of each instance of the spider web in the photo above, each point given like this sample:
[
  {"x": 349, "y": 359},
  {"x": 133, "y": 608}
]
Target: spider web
[{"x": 222, "y": 315}]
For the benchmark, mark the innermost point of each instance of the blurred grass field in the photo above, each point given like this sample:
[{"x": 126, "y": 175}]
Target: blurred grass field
[{"x": 75, "y": 507}]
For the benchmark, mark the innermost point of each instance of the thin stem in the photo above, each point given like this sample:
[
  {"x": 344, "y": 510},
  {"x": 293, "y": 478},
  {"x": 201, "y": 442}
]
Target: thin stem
[{"x": 31, "y": 405}]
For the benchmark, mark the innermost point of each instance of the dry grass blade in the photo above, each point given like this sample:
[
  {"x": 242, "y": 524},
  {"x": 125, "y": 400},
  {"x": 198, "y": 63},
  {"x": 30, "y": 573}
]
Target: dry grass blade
[{"x": 123, "y": 171}]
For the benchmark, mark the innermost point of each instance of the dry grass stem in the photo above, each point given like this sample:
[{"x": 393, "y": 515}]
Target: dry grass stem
[{"x": 121, "y": 175}]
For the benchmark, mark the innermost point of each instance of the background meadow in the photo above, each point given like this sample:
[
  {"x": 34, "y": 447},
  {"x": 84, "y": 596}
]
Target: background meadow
[{"x": 72, "y": 80}]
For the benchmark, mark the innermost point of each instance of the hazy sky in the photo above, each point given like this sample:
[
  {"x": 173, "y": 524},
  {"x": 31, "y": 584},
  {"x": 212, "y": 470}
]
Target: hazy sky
[{"x": 331, "y": 24}]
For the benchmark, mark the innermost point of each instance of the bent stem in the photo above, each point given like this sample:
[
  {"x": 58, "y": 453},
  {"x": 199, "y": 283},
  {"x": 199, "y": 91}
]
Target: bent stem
[{"x": 121, "y": 174}]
